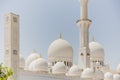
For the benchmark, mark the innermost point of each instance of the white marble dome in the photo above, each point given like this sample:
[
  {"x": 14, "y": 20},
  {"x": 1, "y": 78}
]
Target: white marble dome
[
  {"x": 39, "y": 64},
  {"x": 96, "y": 50},
  {"x": 118, "y": 68},
  {"x": 99, "y": 75},
  {"x": 31, "y": 58},
  {"x": 59, "y": 68},
  {"x": 116, "y": 77},
  {"x": 21, "y": 62},
  {"x": 87, "y": 73},
  {"x": 108, "y": 76},
  {"x": 74, "y": 71},
  {"x": 60, "y": 48}
]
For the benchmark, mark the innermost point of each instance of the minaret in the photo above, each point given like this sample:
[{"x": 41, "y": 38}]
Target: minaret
[
  {"x": 11, "y": 43},
  {"x": 83, "y": 24}
]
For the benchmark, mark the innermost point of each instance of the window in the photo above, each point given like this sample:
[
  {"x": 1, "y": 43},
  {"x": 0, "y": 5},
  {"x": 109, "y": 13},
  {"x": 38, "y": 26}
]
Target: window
[
  {"x": 55, "y": 62},
  {"x": 88, "y": 54},
  {"x": 95, "y": 61},
  {"x": 50, "y": 70},
  {"x": 97, "y": 67},
  {"x": 65, "y": 62},
  {"x": 14, "y": 19},
  {"x": 81, "y": 54},
  {"x": 15, "y": 52},
  {"x": 101, "y": 63}
]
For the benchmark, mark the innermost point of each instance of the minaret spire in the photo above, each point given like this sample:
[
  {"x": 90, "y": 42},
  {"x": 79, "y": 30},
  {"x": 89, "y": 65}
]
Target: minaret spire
[
  {"x": 83, "y": 24},
  {"x": 84, "y": 9}
]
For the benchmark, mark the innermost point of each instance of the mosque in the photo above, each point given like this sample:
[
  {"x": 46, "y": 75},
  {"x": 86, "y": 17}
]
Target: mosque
[{"x": 59, "y": 65}]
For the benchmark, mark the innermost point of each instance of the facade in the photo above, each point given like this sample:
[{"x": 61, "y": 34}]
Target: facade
[{"x": 60, "y": 65}]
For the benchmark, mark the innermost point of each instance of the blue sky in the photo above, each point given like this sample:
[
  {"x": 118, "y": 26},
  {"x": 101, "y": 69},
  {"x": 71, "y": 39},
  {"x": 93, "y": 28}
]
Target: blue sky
[{"x": 41, "y": 22}]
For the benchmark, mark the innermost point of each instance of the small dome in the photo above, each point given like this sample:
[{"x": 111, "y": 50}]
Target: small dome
[
  {"x": 75, "y": 71},
  {"x": 99, "y": 75},
  {"x": 60, "y": 48},
  {"x": 31, "y": 58},
  {"x": 87, "y": 73},
  {"x": 118, "y": 68},
  {"x": 39, "y": 64},
  {"x": 22, "y": 61},
  {"x": 96, "y": 50},
  {"x": 59, "y": 68},
  {"x": 108, "y": 76},
  {"x": 116, "y": 77}
]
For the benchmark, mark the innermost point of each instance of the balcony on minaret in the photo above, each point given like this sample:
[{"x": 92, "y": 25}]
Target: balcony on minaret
[{"x": 82, "y": 22}]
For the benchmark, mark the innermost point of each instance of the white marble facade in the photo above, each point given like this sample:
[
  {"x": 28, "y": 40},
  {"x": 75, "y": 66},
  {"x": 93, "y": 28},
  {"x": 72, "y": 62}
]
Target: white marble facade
[{"x": 59, "y": 65}]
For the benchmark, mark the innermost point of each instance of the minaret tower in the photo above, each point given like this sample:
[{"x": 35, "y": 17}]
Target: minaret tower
[
  {"x": 83, "y": 24},
  {"x": 11, "y": 43}
]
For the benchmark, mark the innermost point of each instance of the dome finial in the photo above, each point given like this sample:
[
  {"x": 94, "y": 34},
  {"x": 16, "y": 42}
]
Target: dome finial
[
  {"x": 93, "y": 39},
  {"x": 40, "y": 55},
  {"x": 60, "y": 36},
  {"x": 34, "y": 51}
]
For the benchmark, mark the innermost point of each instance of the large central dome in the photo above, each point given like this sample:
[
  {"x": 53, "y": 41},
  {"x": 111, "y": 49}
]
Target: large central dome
[
  {"x": 60, "y": 51},
  {"x": 60, "y": 48}
]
